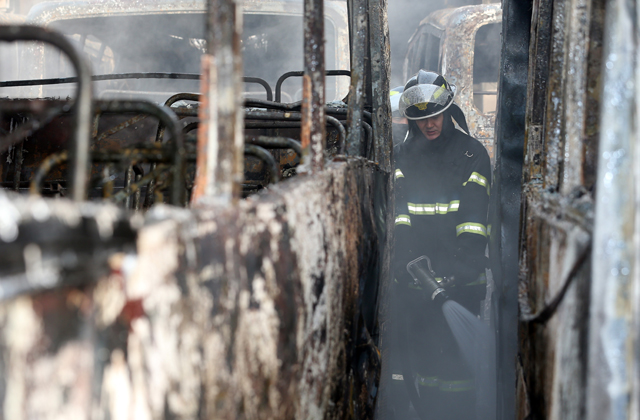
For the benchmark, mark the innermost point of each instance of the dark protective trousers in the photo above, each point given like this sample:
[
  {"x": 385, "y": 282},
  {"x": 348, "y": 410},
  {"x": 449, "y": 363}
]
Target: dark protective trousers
[{"x": 425, "y": 346}]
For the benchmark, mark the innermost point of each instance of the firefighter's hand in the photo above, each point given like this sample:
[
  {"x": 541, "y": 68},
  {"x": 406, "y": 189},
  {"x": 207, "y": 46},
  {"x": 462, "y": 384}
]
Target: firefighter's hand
[{"x": 400, "y": 275}]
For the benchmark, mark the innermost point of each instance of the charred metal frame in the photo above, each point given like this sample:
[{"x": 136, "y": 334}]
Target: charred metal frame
[
  {"x": 456, "y": 29},
  {"x": 287, "y": 75},
  {"x": 312, "y": 133},
  {"x": 82, "y": 105},
  {"x": 504, "y": 217},
  {"x": 124, "y": 76},
  {"x": 302, "y": 266},
  {"x": 578, "y": 352}
]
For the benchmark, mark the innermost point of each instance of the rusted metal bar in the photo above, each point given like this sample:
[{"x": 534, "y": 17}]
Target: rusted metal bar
[
  {"x": 118, "y": 128},
  {"x": 129, "y": 178},
  {"x": 359, "y": 33},
  {"x": 82, "y": 117},
  {"x": 219, "y": 169},
  {"x": 287, "y": 75},
  {"x": 379, "y": 53},
  {"x": 266, "y": 157},
  {"x": 137, "y": 196},
  {"x": 312, "y": 133},
  {"x": 107, "y": 182}
]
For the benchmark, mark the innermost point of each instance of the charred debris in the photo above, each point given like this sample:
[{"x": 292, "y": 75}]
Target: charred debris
[
  {"x": 155, "y": 264},
  {"x": 154, "y": 261}
]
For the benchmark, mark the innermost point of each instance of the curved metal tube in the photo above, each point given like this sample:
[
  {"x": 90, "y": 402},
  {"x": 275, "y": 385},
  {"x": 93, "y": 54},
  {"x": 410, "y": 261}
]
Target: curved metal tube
[
  {"x": 275, "y": 143},
  {"x": 300, "y": 74},
  {"x": 296, "y": 116},
  {"x": 50, "y": 162},
  {"x": 167, "y": 119},
  {"x": 135, "y": 187},
  {"x": 82, "y": 122},
  {"x": 266, "y": 157},
  {"x": 195, "y": 97},
  {"x": 262, "y": 82},
  {"x": 101, "y": 77}
]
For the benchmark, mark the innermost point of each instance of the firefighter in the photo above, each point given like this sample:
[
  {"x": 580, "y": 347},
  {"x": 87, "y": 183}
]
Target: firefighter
[
  {"x": 442, "y": 185},
  {"x": 399, "y": 123}
]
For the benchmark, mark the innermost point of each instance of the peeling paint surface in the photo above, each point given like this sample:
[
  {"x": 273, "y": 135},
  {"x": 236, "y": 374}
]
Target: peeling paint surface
[{"x": 245, "y": 311}]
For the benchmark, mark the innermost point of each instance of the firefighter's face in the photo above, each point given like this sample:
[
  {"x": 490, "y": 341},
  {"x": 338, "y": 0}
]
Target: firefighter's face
[{"x": 431, "y": 127}]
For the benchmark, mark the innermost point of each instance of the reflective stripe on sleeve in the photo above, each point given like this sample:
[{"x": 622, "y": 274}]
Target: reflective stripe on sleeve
[
  {"x": 430, "y": 381},
  {"x": 403, "y": 219},
  {"x": 482, "y": 279},
  {"x": 456, "y": 386},
  {"x": 478, "y": 179},
  {"x": 398, "y": 174},
  {"x": 477, "y": 228},
  {"x": 437, "y": 208}
]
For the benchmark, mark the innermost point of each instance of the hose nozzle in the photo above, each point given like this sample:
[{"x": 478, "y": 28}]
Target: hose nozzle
[{"x": 424, "y": 276}]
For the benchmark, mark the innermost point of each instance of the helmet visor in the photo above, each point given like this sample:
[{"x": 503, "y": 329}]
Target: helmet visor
[{"x": 423, "y": 101}]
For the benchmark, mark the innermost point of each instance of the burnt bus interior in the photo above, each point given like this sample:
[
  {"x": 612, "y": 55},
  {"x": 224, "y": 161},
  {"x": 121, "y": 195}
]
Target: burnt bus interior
[{"x": 133, "y": 143}]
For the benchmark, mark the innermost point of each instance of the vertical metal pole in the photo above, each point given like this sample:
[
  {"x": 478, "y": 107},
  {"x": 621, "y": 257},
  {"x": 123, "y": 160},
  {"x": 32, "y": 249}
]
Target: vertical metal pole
[
  {"x": 380, "y": 72},
  {"x": 359, "y": 34},
  {"x": 506, "y": 190},
  {"x": 219, "y": 167},
  {"x": 577, "y": 49},
  {"x": 312, "y": 134}
]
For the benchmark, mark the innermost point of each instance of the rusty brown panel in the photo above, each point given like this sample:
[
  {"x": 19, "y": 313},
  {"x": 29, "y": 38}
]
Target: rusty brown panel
[{"x": 313, "y": 130}]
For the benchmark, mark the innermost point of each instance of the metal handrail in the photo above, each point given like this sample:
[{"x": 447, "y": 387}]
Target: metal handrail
[{"x": 81, "y": 133}]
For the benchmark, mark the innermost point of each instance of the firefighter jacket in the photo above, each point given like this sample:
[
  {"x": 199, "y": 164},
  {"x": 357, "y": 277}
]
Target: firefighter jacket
[{"x": 442, "y": 191}]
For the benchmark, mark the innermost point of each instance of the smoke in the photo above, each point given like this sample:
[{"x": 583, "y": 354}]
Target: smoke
[
  {"x": 416, "y": 386},
  {"x": 174, "y": 43},
  {"x": 404, "y": 17}
]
